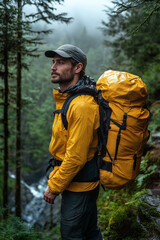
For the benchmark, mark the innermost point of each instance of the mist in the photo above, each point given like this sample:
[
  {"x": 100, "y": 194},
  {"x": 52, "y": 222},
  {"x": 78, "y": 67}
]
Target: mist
[
  {"x": 87, "y": 17},
  {"x": 88, "y": 13}
]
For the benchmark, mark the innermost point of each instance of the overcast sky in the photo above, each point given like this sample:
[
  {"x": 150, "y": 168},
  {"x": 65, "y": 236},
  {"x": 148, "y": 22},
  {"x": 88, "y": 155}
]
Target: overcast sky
[
  {"x": 85, "y": 12},
  {"x": 88, "y": 13}
]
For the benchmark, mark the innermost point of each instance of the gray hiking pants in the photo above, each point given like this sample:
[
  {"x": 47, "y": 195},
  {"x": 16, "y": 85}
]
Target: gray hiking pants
[{"x": 79, "y": 216}]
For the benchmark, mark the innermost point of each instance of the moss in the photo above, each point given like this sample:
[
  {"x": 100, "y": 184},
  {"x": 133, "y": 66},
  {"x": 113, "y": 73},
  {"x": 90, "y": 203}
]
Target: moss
[
  {"x": 147, "y": 215},
  {"x": 123, "y": 224},
  {"x": 133, "y": 221}
]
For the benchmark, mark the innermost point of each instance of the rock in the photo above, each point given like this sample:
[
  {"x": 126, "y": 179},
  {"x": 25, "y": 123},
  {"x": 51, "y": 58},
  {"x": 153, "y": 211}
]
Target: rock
[
  {"x": 35, "y": 211},
  {"x": 156, "y": 137},
  {"x": 50, "y": 215}
]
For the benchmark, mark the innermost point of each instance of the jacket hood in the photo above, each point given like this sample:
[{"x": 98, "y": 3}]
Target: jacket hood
[{"x": 85, "y": 85}]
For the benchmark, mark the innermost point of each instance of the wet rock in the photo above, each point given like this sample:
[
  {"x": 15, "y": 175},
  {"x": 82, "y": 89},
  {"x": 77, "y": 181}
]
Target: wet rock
[
  {"x": 50, "y": 214},
  {"x": 156, "y": 137},
  {"x": 35, "y": 211}
]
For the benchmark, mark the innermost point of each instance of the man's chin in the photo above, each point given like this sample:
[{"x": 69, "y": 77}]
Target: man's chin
[{"x": 54, "y": 80}]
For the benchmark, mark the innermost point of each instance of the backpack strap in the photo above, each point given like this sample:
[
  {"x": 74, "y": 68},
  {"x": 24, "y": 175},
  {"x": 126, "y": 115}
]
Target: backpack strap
[
  {"x": 57, "y": 111},
  {"x": 89, "y": 173},
  {"x": 67, "y": 104},
  {"x": 105, "y": 118}
]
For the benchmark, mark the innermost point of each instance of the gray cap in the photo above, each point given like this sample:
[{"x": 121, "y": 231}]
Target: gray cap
[{"x": 69, "y": 51}]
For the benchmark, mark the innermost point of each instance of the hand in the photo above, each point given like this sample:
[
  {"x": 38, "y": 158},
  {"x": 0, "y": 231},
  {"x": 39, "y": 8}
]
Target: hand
[{"x": 49, "y": 197}]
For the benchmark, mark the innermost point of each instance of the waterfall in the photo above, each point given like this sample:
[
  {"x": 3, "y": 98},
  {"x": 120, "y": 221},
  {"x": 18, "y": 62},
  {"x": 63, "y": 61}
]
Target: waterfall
[{"x": 35, "y": 211}]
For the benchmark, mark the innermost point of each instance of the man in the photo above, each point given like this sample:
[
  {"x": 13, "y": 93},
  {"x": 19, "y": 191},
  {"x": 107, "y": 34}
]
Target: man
[{"x": 75, "y": 172}]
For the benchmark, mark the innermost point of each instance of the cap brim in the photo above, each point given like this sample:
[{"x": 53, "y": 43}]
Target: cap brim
[{"x": 51, "y": 54}]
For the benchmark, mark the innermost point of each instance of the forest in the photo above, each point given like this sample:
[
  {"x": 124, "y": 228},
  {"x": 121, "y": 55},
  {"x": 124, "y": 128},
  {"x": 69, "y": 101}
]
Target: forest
[{"x": 129, "y": 42}]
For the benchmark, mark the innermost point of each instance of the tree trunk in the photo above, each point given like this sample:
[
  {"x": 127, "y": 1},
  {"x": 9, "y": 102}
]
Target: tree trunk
[
  {"x": 5, "y": 173},
  {"x": 18, "y": 135}
]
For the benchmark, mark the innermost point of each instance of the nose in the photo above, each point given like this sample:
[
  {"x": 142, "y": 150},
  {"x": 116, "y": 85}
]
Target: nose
[{"x": 53, "y": 66}]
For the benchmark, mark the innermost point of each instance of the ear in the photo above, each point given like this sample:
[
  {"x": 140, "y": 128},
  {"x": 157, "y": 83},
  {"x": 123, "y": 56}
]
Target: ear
[{"x": 78, "y": 67}]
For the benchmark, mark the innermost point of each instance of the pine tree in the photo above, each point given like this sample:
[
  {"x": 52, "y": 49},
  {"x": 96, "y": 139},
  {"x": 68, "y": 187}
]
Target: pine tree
[
  {"x": 130, "y": 33},
  {"x": 19, "y": 106},
  {"x": 7, "y": 12},
  {"x": 133, "y": 48},
  {"x": 5, "y": 174}
]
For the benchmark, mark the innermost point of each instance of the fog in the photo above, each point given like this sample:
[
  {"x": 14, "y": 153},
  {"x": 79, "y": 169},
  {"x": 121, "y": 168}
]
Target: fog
[
  {"x": 86, "y": 14},
  {"x": 89, "y": 13}
]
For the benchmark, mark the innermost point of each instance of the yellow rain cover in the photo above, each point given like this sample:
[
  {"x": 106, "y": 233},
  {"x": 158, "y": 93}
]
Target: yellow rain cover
[{"x": 126, "y": 94}]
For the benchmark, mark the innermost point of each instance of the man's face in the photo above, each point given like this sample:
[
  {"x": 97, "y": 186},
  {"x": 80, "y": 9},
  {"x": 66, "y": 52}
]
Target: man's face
[{"x": 62, "y": 70}]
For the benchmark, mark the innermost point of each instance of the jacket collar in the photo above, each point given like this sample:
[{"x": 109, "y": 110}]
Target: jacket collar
[
  {"x": 84, "y": 85},
  {"x": 59, "y": 96}
]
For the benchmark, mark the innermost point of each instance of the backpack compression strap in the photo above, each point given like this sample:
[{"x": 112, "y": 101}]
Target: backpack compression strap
[{"x": 121, "y": 127}]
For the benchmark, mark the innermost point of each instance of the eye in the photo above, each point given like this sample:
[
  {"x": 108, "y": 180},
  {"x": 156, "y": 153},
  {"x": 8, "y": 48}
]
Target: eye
[
  {"x": 58, "y": 62},
  {"x": 61, "y": 62}
]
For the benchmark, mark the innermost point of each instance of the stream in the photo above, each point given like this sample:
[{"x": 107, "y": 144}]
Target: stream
[{"x": 35, "y": 211}]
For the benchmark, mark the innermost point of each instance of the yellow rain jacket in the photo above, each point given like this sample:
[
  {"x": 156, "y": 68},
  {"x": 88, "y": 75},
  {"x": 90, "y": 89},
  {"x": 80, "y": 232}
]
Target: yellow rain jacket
[{"x": 74, "y": 146}]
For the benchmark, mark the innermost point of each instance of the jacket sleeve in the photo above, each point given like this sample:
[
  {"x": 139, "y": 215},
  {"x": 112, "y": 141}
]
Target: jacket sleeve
[{"x": 82, "y": 126}]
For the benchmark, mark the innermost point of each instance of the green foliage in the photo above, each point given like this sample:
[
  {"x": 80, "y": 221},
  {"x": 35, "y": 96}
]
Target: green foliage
[
  {"x": 1, "y": 184},
  {"x": 155, "y": 117},
  {"x": 149, "y": 7},
  {"x": 151, "y": 78},
  {"x": 147, "y": 171},
  {"x": 14, "y": 229},
  {"x": 139, "y": 48},
  {"x": 51, "y": 233},
  {"x": 135, "y": 51}
]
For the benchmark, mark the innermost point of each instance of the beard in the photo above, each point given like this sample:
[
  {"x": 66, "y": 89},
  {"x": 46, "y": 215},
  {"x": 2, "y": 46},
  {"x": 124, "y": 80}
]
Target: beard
[{"x": 63, "y": 79}]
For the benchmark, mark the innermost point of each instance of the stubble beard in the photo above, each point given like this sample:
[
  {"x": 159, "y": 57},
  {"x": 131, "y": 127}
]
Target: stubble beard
[{"x": 62, "y": 80}]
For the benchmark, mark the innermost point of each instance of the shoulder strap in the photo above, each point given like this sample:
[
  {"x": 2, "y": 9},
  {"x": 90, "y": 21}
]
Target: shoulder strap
[
  {"x": 66, "y": 106},
  {"x": 105, "y": 118}
]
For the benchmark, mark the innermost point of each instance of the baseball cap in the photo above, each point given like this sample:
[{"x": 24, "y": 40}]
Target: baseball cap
[{"x": 69, "y": 51}]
